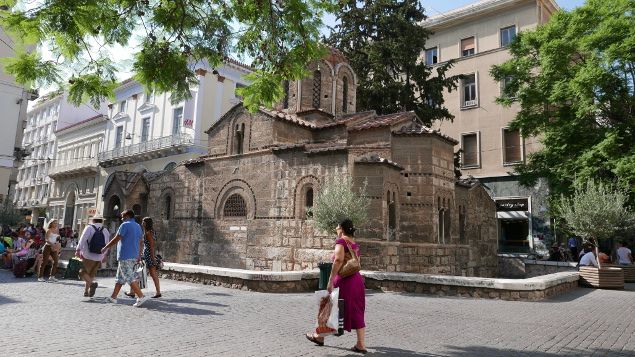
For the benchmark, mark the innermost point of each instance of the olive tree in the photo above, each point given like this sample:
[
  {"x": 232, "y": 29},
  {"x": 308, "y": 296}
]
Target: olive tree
[{"x": 337, "y": 200}]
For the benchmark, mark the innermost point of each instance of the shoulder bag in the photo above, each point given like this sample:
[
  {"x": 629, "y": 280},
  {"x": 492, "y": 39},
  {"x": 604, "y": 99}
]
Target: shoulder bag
[{"x": 351, "y": 263}]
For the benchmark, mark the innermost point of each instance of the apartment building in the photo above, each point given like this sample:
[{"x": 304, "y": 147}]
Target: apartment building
[
  {"x": 13, "y": 101},
  {"x": 50, "y": 114},
  {"x": 476, "y": 37},
  {"x": 147, "y": 133},
  {"x": 77, "y": 177}
]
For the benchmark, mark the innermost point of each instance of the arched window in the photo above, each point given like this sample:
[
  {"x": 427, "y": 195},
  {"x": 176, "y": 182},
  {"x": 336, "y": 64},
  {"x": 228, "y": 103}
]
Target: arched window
[
  {"x": 317, "y": 88},
  {"x": 239, "y": 135},
  {"x": 285, "y": 101},
  {"x": 137, "y": 210},
  {"x": 235, "y": 206},
  {"x": 308, "y": 199},
  {"x": 462, "y": 224},
  {"x": 441, "y": 222},
  {"x": 167, "y": 206},
  {"x": 345, "y": 94}
]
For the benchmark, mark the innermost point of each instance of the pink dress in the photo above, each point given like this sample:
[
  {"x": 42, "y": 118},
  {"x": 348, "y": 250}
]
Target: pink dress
[{"x": 352, "y": 290}]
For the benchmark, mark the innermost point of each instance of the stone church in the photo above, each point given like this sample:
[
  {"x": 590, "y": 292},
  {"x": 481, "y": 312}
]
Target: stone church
[{"x": 244, "y": 204}]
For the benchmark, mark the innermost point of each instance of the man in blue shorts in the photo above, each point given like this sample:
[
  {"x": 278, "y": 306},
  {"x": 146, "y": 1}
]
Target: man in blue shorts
[{"x": 129, "y": 247}]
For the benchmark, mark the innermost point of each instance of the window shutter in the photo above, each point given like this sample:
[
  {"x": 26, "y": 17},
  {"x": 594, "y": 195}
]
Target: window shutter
[
  {"x": 470, "y": 150},
  {"x": 512, "y": 146}
]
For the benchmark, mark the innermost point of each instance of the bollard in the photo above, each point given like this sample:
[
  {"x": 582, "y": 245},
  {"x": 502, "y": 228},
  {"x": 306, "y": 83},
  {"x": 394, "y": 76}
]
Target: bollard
[{"x": 325, "y": 273}]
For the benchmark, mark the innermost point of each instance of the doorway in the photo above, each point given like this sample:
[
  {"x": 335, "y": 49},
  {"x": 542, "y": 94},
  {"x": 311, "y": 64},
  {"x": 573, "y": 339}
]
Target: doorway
[{"x": 514, "y": 235}]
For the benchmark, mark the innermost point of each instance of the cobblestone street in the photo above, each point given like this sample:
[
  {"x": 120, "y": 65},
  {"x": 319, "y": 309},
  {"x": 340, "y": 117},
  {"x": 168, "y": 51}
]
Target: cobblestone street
[{"x": 53, "y": 319}]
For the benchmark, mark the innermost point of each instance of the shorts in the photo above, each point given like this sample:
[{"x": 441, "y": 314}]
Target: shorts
[
  {"x": 89, "y": 267},
  {"x": 126, "y": 273}
]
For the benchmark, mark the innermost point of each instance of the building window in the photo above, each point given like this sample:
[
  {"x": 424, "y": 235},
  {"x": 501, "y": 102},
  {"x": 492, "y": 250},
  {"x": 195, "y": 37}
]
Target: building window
[
  {"x": 145, "y": 129},
  {"x": 119, "y": 136},
  {"x": 285, "y": 101},
  {"x": 308, "y": 202},
  {"x": 512, "y": 142},
  {"x": 432, "y": 56},
  {"x": 391, "y": 215},
  {"x": 440, "y": 223},
  {"x": 468, "y": 85},
  {"x": 317, "y": 88},
  {"x": 504, "y": 84},
  {"x": 345, "y": 94},
  {"x": 468, "y": 47},
  {"x": 239, "y": 136},
  {"x": 507, "y": 35},
  {"x": 177, "y": 118},
  {"x": 167, "y": 206},
  {"x": 235, "y": 206},
  {"x": 122, "y": 106},
  {"x": 469, "y": 146}
]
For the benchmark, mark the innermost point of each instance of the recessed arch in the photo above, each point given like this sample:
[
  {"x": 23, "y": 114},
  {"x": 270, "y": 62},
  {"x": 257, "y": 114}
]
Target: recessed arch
[
  {"x": 305, "y": 185},
  {"x": 242, "y": 188}
]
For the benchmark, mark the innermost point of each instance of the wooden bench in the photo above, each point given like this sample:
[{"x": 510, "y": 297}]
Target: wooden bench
[
  {"x": 629, "y": 271},
  {"x": 604, "y": 278}
]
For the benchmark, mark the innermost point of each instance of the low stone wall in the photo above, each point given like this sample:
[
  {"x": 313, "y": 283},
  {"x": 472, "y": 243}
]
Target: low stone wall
[
  {"x": 541, "y": 267},
  {"x": 532, "y": 289},
  {"x": 511, "y": 266}
]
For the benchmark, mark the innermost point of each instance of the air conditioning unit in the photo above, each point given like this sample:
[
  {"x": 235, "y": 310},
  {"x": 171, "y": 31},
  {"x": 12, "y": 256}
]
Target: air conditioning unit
[{"x": 470, "y": 103}]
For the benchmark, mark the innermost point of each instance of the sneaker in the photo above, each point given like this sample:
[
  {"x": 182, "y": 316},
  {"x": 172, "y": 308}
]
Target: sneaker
[
  {"x": 111, "y": 300},
  {"x": 41, "y": 280},
  {"x": 53, "y": 280},
  {"x": 93, "y": 287},
  {"x": 140, "y": 301}
]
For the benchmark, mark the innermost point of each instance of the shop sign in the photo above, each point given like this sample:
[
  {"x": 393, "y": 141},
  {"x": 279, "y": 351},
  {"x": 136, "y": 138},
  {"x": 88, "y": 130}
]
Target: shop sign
[
  {"x": 92, "y": 211},
  {"x": 512, "y": 204}
]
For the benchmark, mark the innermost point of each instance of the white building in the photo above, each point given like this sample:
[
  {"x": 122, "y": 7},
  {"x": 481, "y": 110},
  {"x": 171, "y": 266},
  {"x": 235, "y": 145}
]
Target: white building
[
  {"x": 148, "y": 133},
  {"x": 52, "y": 113},
  {"x": 13, "y": 101},
  {"x": 77, "y": 177}
]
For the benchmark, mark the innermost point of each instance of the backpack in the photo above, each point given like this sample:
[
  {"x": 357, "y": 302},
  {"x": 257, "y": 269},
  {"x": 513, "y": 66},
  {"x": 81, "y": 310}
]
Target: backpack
[{"x": 98, "y": 241}]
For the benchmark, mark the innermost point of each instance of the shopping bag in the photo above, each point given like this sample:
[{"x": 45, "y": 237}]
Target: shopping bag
[
  {"x": 142, "y": 274},
  {"x": 328, "y": 312}
]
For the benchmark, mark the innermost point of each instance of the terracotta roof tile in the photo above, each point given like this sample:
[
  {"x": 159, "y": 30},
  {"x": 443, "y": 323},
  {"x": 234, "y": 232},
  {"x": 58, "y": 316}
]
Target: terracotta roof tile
[
  {"x": 376, "y": 159},
  {"x": 383, "y": 120},
  {"x": 288, "y": 117},
  {"x": 416, "y": 128}
]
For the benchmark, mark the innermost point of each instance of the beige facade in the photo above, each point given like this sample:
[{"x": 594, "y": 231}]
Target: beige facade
[{"x": 476, "y": 38}]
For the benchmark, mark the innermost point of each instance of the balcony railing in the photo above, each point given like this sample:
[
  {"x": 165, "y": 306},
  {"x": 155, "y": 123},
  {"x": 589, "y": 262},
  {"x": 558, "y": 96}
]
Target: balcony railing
[
  {"x": 73, "y": 167},
  {"x": 155, "y": 146}
]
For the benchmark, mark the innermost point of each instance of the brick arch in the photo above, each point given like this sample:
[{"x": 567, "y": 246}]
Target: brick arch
[
  {"x": 165, "y": 208},
  {"x": 244, "y": 123},
  {"x": 344, "y": 70},
  {"x": 299, "y": 193},
  {"x": 236, "y": 186}
]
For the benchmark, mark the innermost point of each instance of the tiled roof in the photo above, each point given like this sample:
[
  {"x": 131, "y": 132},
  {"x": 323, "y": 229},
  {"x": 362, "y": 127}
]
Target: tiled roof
[
  {"x": 326, "y": 147},
  {"x": 468, "y": 182},
  {"x": 416, "y": 128},
  {"x": 288, "y": 117},
  {"x": 376, "y": 159},
  {"x": 383, "y": 120}
]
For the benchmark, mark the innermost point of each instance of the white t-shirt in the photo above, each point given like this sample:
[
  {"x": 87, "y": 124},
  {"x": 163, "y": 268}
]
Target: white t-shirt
[
  {"x": 589, "y": 260},
  {"x": 622, "y": 253},
  {"x": 53, "y": 238}
]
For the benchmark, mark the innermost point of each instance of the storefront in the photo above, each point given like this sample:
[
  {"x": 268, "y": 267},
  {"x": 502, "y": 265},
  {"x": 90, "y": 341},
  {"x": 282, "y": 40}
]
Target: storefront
[{"x": 514, "y": 224}]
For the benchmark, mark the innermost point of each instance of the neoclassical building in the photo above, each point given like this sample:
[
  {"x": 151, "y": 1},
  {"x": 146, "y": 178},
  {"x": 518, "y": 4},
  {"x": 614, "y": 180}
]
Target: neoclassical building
[{"x": 243, "y": 204}]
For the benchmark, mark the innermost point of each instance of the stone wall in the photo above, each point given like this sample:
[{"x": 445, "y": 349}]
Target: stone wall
[
  {"x": 537, "y": 267},
  {"x": 511, "y": 266}
]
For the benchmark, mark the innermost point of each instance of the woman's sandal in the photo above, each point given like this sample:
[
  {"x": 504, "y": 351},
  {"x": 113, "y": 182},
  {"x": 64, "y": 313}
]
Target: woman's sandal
[
  {"x": 313, "y": 339},
  {"x": 156, "y": 296},
  {"x": 359, "y": 350},
  {"x": 130, "y": 295}
]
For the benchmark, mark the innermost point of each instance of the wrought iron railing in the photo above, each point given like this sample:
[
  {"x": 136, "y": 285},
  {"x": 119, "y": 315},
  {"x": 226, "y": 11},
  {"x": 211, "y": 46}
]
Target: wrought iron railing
[
  {"x": 73, "y": 166},
  {"x": 146, "y": 147}
]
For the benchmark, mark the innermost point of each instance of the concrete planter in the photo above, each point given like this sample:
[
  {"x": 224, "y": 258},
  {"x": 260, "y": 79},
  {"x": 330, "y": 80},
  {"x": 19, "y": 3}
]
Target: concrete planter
[{"x": 604, "y": 278}]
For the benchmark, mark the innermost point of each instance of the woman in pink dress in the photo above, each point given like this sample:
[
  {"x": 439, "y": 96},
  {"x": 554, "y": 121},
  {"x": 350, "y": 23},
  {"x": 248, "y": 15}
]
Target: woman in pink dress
[{"x": 352, "y": 288}]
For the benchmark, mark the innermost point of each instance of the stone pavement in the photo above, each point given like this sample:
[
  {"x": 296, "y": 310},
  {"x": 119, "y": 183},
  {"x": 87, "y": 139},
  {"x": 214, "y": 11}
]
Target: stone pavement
[{"x": 53, "y": 319}]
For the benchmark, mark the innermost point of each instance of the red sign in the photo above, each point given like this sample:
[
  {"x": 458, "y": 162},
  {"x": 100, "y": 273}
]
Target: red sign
[{"x": 188, "y": 123}]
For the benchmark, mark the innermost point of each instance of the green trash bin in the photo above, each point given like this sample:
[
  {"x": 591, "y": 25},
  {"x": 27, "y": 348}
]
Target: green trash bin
[{"x": 325, "y": 273}]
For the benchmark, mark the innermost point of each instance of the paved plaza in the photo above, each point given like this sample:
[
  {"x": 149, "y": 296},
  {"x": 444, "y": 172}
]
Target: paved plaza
[{"x": 53, "y": 319}]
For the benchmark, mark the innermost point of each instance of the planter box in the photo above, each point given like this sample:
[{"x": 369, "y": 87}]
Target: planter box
[
  {"x": 605, "y": 278},
  {"x": 629, "y": 272}
]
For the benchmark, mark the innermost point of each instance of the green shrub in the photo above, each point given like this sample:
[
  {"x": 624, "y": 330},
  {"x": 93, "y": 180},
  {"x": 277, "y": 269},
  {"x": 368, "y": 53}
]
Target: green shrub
[{"x": 338, "y": 200}]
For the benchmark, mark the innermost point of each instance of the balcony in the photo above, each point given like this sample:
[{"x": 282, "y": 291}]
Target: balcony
[
  {"x": 149, "y": 150},
  {"x": 89, "y": 166}
]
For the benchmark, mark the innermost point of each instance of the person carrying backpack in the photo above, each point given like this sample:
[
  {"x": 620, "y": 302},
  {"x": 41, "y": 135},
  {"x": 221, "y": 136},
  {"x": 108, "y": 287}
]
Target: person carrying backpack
[{"x": 93, "y": 239}]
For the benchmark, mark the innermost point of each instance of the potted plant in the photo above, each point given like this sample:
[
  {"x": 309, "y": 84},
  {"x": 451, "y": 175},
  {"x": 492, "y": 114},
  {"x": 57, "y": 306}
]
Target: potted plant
[{"x": 594, "y": 212}]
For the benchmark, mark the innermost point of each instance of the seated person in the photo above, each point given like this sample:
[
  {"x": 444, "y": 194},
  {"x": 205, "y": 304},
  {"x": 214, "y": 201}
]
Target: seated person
[
  {"x": 588, "y": 259},
  {"x": 554, "y": 253},
  {"x": 604, "y": 258},
  {"x": 624, "y": 255}
]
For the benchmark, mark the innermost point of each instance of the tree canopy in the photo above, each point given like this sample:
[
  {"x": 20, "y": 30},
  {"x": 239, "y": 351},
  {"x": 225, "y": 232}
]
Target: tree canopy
[
  {"x": 574, "y": 80},
  {"x": 383, "y": 41},
  {"x": 338, "y": 200},
  {"x": 281, "y": 36}
]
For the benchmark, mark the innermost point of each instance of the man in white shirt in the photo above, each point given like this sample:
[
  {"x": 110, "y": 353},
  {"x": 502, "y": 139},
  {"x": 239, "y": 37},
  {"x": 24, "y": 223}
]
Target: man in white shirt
[
  {"x": 624, "y": 255},
  {"x": 588, "y": 259},
  {"x": 93, "y": 239}
]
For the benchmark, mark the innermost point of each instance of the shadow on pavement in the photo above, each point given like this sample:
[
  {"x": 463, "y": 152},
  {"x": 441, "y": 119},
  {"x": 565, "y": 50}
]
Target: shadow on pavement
[
  {"x": 384, "y": 351},
  {"x": 192, "y": 301},
  {"x": 218, "y": 294},
  {"x": 492, "y": 351},
  {"x": 5, "y": 300},
  {"x": 155, "y": 305}
]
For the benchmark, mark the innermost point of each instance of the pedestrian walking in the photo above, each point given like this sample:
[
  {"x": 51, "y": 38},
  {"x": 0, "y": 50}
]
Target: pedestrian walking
[
  {"x": 149, "y": 255},
  {"x": 352, "y": 289},
  {"x": 573, "y": 246},
  {"x": 94, "y": 237},
  {"x": 50, "y": 250},
  {"x": 129, "y": 246},
  {"x": 624, "y": 255}
]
